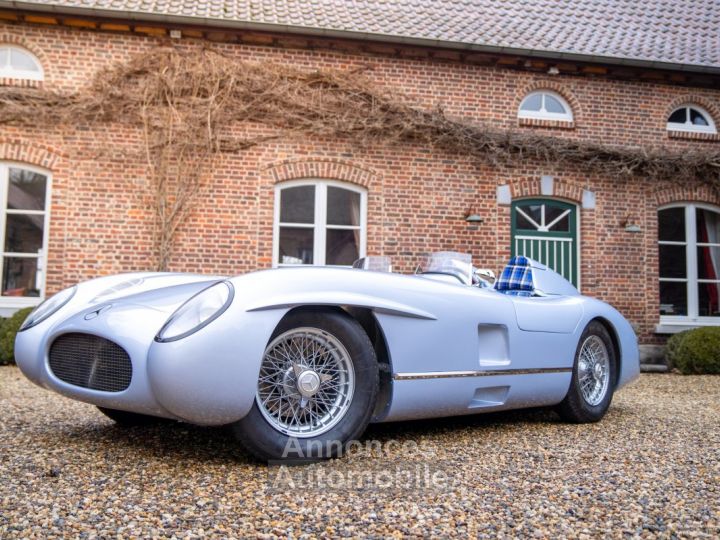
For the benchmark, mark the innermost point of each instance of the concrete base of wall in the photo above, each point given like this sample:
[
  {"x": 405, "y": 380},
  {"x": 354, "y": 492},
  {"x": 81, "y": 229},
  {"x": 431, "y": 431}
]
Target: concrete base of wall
[{"x": 652, "y": 359}]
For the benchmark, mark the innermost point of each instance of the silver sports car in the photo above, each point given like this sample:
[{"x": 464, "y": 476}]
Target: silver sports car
[{"x": 299, "y": 360}]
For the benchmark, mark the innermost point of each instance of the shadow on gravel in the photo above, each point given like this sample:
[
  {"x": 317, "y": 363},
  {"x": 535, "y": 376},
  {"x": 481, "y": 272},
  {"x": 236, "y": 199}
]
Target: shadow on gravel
[
  {"x": 419, "y": 428},
  {"x": 189, "y": 443}
]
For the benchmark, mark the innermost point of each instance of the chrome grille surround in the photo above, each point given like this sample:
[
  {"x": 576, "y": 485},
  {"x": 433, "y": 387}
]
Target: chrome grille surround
[{"x": 90, "y": 362}]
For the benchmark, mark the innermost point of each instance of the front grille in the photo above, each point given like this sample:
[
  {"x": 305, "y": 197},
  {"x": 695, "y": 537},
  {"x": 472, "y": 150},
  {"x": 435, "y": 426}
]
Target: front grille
[{"x": 91, "y": 362}]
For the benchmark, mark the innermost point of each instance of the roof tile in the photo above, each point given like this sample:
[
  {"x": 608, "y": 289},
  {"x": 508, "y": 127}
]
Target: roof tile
[{"x": 668, "y": 31}]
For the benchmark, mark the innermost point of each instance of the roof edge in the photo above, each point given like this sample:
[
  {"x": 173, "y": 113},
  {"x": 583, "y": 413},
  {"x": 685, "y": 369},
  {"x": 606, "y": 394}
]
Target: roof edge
[{"x": 361, "y": 36}]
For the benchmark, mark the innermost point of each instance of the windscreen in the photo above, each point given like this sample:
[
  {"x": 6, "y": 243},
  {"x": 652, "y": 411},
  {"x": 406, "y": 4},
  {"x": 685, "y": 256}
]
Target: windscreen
[
  {"x": 374, "y": 264},
  {"x": 451, "y": 263}
]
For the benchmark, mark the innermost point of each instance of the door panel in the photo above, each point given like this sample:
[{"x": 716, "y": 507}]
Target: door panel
[{"x": 546, "y": 230}]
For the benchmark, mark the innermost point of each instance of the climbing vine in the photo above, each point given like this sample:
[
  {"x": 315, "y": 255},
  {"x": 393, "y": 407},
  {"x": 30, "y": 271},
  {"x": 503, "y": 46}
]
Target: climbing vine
[{"x": 185, "y": 102}]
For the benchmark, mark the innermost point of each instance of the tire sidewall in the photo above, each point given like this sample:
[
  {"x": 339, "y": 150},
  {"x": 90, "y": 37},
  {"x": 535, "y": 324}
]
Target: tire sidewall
[
  {"x": 574, "y": 407},
  {"x": 267, "y": 443}
]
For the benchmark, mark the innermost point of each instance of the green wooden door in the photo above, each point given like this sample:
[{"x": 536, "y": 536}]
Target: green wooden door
[{"x": 546, "y": 230}]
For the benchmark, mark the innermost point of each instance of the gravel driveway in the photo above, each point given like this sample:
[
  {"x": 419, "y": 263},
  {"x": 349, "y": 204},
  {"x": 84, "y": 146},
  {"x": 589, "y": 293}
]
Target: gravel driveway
[{"x": 650, "y": 468}]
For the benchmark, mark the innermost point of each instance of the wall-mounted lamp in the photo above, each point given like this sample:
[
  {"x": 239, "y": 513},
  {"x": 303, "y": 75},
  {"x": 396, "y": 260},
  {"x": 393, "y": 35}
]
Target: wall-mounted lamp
[
  {"x": 631, "y": 225},
  {"x": 553, "y": 71},
  {"x": 474, "y": 218}
]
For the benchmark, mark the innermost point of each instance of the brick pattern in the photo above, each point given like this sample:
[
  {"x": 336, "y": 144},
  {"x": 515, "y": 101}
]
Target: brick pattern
[
  {"x": 544, "y": 123},
  {"x": 337, "y": 169},
  {"x": 28, "y": 152},
  {"x": 693, "y": 136},
  {"x": 101, "y": 219}
]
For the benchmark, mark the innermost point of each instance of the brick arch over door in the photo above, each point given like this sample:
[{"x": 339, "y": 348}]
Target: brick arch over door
[{"x": 532, "y": 187}]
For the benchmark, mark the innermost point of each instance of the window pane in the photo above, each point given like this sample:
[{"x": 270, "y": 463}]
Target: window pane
[
  {"x": 343, "y": 206},
  {"x": 678, "y": 117},
  {"x": 4, "y": 57},
  {"x": 552, "y": 213},
  {"x": 22, "y": 60},
  {"x": 26, "y": 190},
  {"x": 553, "y": 105},
  {"x": 708, "y": 300},
  {"x": 707, "y": 226},
  {"x": 343, "y": 247},
  {"x": 23, "y": 233},
  {"x": 534, "y": 211},
  {"x": 19, "y": 277},
  {"x": 532, "y": 103},
  {"x": 708, "y": 261},
  {"x": 671, "y": 224},
  {"x": 297, "y": 204},
  {"x": 673, "y": 298},
  {"x": 296, "y": 246},
  {"x": 697, "y": 118},
  {"x": 672, "y": 261}
]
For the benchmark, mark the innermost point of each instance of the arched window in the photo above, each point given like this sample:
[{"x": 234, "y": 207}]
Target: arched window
[
  {"x": 24, "y": 200},
  {"x": 545, "y": 105},
  {"x": 319, "y": 222},
  {"x": 17, "y": 63},
  {"x": 692, "y": 118},
  {"x": 689, "y": 256}
]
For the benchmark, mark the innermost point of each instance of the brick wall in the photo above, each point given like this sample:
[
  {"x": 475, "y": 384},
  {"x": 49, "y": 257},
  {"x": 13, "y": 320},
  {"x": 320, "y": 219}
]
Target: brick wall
[{"x": 417, "y": 199}]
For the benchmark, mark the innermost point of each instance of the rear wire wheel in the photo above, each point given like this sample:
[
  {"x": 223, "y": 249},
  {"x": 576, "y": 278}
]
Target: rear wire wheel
[{"x": 316, "y": 389}]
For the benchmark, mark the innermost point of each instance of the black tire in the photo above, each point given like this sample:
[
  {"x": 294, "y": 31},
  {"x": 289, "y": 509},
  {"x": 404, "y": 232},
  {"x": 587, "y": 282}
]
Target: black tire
[
  {"x": 575, "y": 408},
  {"x": 129, "y": 419},
  {"x": 268, "y": 443}
]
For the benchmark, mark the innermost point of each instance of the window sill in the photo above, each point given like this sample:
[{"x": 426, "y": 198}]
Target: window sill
[
  {"x": 674, "y": 327},
  {"x": 13, "y": 303},
  {"x": 540, "y": 122},
  {"x": 24, "y": 83},
  {"x": 693, "y": 135}
]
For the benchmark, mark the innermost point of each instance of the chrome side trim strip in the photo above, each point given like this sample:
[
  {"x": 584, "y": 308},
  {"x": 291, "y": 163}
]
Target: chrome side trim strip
[{"x": 485, "y": 373}]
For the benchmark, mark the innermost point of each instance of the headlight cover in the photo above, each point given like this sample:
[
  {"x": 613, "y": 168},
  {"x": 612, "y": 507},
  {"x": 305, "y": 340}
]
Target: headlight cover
[
  {"x": 197, "y": 312},
  {"x": 48, "y": 307}
]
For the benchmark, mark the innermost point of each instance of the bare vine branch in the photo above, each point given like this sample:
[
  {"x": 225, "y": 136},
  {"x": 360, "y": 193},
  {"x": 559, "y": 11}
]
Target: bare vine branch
[{"x": 185, "y": 102}]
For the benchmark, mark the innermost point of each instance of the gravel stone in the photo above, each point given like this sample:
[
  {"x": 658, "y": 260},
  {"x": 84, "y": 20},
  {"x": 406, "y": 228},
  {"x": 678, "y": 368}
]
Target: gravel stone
[{"x": 650, "y": 469}]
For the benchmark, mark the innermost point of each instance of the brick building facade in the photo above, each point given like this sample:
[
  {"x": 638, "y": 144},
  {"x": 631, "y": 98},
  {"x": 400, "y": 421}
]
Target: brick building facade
[{"x": 405, "y": 200}]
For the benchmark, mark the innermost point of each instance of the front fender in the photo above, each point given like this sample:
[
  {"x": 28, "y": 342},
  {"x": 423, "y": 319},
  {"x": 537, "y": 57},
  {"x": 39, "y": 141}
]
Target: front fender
[{"x": 210, "y": 377}]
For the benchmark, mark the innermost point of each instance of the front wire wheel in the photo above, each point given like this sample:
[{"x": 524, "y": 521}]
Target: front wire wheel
[
  {"x": 306, "y": 382},
  {"x": 317, "y": 387},
  {"x": 593, "y": 377}
]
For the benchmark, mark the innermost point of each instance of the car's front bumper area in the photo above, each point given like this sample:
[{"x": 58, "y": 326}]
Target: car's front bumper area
[
  {"x": 207, "y": 378},
  {"x": 130, "y": 327}
]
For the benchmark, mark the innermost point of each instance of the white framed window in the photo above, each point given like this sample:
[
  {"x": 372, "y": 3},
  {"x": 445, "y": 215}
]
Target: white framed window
[
  {"x": 25, "y": 203},
  {"x": 689, "y": 256},
  {"x": 545, "y": 105},
  {"x": 17, "y": 63},
  {"x": 320, "y": 222},
  {"x": 691, "y": 118}
]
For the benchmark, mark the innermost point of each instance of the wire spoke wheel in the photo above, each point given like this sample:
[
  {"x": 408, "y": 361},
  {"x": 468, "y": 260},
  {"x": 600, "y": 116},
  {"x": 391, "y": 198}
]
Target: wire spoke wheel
[
  {"x": 306, "y": 382},
  {"x": 594, "y": 370}
]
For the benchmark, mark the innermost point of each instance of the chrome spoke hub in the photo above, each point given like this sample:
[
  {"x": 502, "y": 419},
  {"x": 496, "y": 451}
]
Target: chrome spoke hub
[
  {"x": 306, "y": 382},
  {"x": 594, "y": 370}
]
